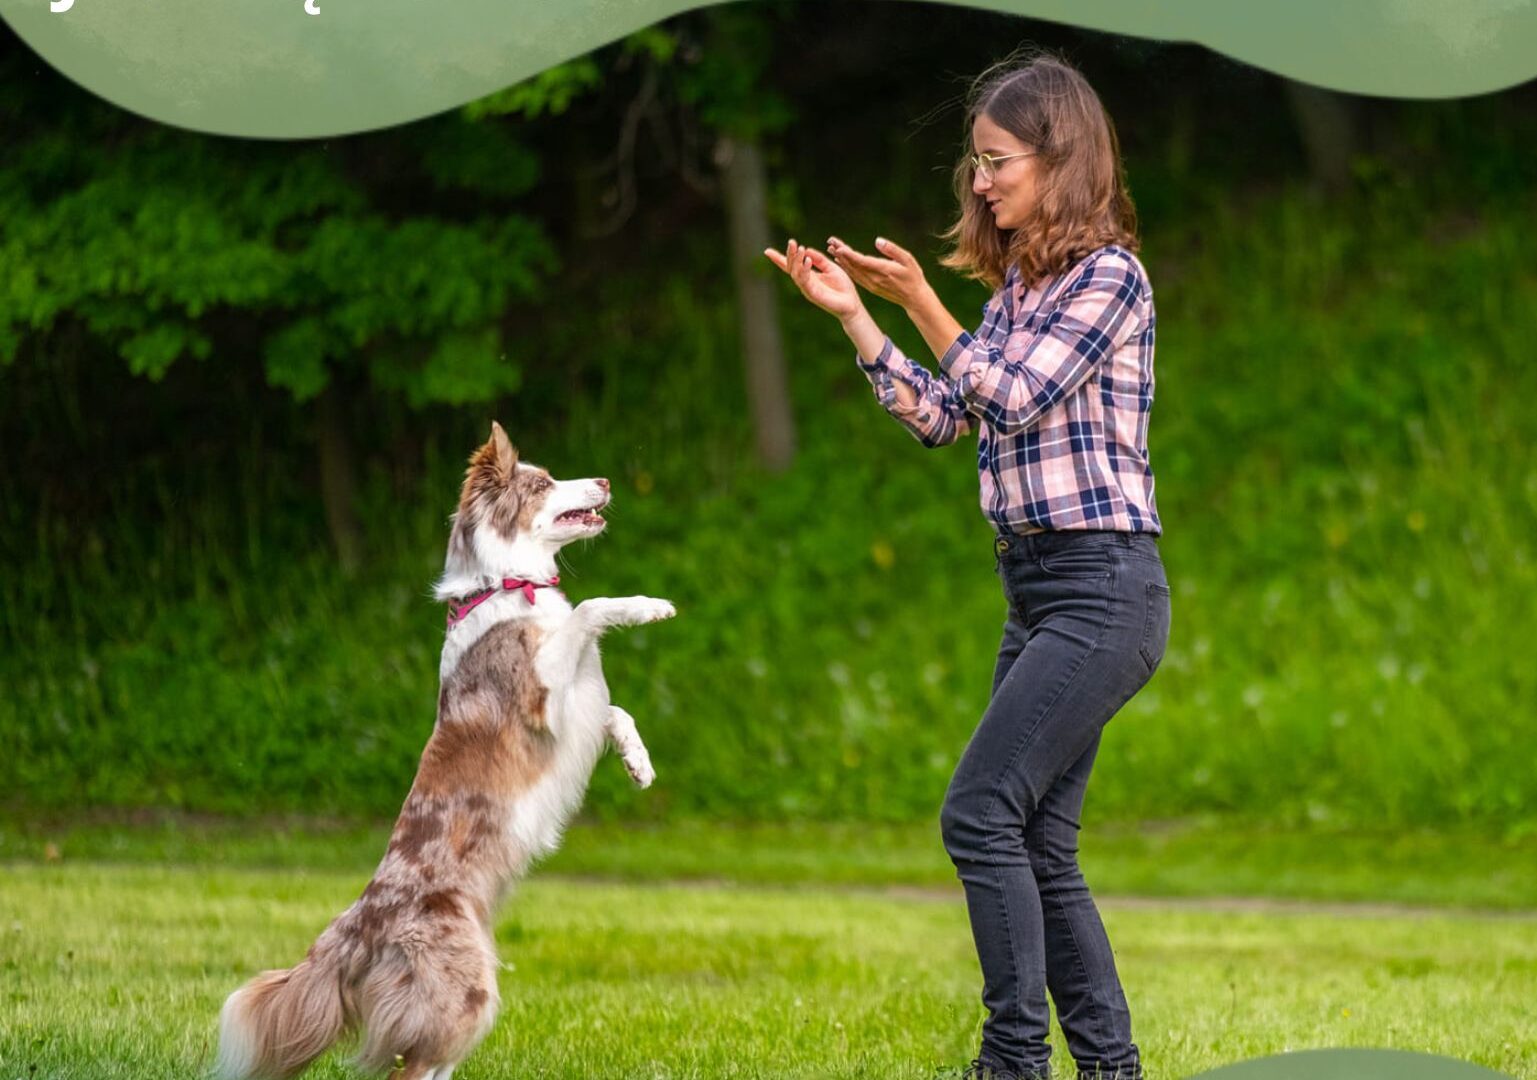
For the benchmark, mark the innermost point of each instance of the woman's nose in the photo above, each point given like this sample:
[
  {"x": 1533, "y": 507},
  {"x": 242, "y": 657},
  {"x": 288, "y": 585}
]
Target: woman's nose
[{"x": 978, "y": 184}]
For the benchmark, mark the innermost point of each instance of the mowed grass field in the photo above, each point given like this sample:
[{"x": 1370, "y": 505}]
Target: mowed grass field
[{"x": 117, "y": 969}]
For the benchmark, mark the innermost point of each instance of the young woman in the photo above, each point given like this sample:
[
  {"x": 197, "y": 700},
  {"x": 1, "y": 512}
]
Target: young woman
[{"x": 1058, "y": 384}]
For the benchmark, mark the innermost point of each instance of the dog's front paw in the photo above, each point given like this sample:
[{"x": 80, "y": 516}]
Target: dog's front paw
[
  {"x": 649, "y": 610},
  {"x": 607, "y": 611},
  {"x": 638, "y": 764},
  {"x": 638, "y": 610}
]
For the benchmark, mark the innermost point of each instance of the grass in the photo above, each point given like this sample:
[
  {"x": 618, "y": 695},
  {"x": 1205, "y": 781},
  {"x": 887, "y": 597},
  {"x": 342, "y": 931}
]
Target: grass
[
  {"x": 117, "y": 971},
  {"x": 1195, "y": 858}
]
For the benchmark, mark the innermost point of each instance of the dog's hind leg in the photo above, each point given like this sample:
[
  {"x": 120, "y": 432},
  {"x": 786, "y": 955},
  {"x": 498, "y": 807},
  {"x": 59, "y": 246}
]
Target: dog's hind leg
[{"x": 627, "y": 742}]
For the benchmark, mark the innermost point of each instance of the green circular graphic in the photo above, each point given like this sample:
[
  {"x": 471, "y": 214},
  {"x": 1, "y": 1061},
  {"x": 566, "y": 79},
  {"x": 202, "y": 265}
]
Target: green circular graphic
[
  {"x": 1353, "y": 1064},
  {"x": 314, "y": 68}
]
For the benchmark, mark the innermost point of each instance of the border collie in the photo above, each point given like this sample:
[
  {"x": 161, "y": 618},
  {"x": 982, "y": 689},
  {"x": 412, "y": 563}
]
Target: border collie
[{"x": 523, "y": 716}]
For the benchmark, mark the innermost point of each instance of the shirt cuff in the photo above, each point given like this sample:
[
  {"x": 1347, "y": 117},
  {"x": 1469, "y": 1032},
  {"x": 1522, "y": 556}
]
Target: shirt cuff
[
  {"x": 952, "y": 358},
  {"x": 882, "y": 358}
]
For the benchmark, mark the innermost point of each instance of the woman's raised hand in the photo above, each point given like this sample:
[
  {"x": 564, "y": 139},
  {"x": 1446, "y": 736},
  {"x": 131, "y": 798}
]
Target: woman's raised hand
[
  {"x": 896, "y": 277},
  {"x": 819, "y": 279}
]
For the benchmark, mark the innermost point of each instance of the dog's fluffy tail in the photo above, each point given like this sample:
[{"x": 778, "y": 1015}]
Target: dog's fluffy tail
[{"x": 280, "y": 1021}]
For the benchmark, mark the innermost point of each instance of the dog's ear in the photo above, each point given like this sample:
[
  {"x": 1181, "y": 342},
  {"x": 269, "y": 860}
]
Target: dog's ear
[{"x": 506, "y": 453}]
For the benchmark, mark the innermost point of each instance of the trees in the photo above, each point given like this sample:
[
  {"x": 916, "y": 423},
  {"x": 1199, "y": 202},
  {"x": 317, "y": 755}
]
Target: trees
[
  {"x": 382, "y": 263},
  {"x": 702, "y": 91},
  {"x": 1329, "y": 124},
  {"x": 383, "y": 260},
  {"x": 728, "y": 88}
]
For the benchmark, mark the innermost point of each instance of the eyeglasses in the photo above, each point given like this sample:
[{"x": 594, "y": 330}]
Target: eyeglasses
[{"x": 986, "y": 165}]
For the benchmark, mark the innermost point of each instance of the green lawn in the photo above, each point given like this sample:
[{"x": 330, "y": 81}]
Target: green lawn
[
  {"x": 1196, "y": 857},
  {"x": 117, "y": 969}
]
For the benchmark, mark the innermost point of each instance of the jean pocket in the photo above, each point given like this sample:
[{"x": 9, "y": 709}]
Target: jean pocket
[
  {"x": 1077, "y": 562},
  {"x": 1155, "y": 625}
]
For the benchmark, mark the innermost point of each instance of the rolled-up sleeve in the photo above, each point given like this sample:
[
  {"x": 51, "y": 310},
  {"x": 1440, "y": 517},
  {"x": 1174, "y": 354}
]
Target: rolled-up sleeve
[
  {"x": 939, "y": 415},
  {"x": 1092, "y": 317}
]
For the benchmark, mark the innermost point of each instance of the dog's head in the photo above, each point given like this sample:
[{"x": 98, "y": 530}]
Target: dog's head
[{"x": 513, "y": 517}]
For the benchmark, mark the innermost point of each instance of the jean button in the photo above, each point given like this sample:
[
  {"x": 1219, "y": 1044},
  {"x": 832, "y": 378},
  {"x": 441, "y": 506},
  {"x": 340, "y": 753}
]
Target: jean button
[{"x": 1000, "y": 545}]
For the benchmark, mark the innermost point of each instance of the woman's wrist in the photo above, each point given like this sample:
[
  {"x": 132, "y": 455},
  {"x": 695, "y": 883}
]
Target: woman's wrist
[
  {"x": 867, "y": 337},
  {"x": 857, "y": 317},
  {"x": 924, "y": 305},
  {"x": 934, "y": 321}
]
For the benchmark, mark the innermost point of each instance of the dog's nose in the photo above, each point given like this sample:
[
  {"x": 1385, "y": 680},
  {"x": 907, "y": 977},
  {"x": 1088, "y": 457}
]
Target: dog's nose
[{"x": 602, "y": 483}]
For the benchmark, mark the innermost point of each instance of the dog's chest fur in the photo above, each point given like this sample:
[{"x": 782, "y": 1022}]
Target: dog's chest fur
[{"x": 565, "y": 718}]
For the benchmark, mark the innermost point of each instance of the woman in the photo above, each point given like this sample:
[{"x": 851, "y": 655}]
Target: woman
[{"x": 1058, "y": 384}]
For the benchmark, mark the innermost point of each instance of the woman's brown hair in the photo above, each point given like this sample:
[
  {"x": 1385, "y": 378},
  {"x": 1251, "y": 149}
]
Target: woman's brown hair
[{"x": 1081, "y": 200}]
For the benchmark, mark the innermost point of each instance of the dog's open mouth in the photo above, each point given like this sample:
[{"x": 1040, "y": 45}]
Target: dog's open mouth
[{"x": 588, "y": 516}]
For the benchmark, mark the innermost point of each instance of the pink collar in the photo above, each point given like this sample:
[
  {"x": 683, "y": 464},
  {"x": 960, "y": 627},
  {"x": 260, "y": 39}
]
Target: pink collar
[{"x": 457, "y": 612}]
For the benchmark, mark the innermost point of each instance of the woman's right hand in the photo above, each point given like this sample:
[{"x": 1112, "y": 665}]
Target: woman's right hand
[{"x": 820, "y": 280}]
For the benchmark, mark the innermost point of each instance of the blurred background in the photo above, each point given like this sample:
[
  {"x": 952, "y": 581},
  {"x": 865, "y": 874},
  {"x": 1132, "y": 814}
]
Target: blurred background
[{"x": 238, "y": 382}]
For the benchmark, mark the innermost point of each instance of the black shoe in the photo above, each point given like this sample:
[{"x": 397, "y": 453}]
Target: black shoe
[{"x": 980, "y": 1070}]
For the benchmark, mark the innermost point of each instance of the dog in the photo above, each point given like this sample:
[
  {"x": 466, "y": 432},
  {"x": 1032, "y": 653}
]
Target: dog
[{"x": 523, "y": 716}]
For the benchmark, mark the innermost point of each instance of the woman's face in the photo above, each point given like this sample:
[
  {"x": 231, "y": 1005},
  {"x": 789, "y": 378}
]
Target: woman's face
[{"x": 1010, "y": 192}]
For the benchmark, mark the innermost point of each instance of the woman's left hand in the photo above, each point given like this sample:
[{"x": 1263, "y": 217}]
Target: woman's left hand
[{"x": 897, "y": 277}]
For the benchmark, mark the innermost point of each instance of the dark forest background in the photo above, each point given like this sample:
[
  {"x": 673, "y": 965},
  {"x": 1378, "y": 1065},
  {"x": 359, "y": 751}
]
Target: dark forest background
[{"x": 238, "y": 381}]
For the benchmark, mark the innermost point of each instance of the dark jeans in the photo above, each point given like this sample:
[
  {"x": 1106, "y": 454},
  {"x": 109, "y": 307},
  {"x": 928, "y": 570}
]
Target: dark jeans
[{"x": 1088, "y": 622}]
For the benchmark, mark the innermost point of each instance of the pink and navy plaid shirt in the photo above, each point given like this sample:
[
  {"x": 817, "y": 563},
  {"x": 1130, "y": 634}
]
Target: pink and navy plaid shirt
[{"x": 1059, "y": 380}]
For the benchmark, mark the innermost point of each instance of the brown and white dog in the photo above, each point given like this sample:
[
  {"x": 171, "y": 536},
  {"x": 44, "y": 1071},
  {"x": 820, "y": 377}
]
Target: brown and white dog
[{"x": 523, "y": 716}]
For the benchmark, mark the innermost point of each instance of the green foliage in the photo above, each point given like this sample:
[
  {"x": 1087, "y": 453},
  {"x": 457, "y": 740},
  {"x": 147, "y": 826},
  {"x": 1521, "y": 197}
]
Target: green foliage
[
  {"x": 727, "y": 82},
  {"x": 463, "y": 368},
  {"x": 1341, "y": 440},
  {"x": 167, "y": 245},
  {"x": 150, "y": 352},
  {"x": 549, "y": 92},
  {"x": 657, "y": 42},
  {"x": 480, "y": 158},
  {"x": 1349, "y": 512}
]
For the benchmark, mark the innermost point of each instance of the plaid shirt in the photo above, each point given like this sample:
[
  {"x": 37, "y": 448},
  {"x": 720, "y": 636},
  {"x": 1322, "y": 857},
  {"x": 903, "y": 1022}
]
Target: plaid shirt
[{"x": 1059, "y": 380}]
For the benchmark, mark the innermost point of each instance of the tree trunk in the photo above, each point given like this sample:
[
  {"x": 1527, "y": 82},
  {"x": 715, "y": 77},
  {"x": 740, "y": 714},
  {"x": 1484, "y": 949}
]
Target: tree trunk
[
  {"x": 745, "y": 187},
  {"x": 338, "y": 483},
  {"x": 1330, "y": 130}
]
